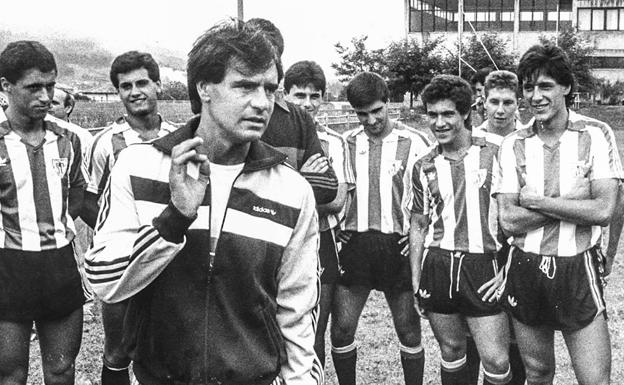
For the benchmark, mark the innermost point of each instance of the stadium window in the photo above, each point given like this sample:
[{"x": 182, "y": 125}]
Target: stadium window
[
  {"x": 584, "y": 19},
  {"x": 597, "y": 19},
  {"x": 612, "y": 19}
]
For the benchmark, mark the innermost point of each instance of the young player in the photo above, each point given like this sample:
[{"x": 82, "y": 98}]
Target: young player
[
  {"x": 42, "y": 185},
  {"x": 375, "y": 255},
  {"x": 304, "y": 84},
  {"x": 136, "y": 77},
  {"x": 558, "y": 186},
  {"x": 501, "y": 104},
  {"x": 453, "y": 236}
]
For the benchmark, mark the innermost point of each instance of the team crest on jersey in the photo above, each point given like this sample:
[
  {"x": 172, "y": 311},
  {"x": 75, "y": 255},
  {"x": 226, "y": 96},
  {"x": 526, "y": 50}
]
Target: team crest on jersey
[
  {"x": 479, "y": 177},
  {"x": 59, "y": 165},
  {"x": 4, "y": 161},
  {"x": 396, "y": 167}
]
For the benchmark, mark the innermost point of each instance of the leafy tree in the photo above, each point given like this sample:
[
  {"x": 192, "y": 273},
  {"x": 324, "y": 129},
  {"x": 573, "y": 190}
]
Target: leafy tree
[
  {"x": 411, "y": 66},
  {"x": 358, "y": 58},
  {"x": 174, "y": 90},
  {"x": 612, "y": 92},
  {"x": 474, "y": 54},
  {"x": 579, "y": 48}
]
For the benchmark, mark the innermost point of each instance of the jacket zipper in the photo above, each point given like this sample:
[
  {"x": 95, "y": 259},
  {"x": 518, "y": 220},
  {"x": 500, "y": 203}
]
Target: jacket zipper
[{"x": 211, "y": 260}]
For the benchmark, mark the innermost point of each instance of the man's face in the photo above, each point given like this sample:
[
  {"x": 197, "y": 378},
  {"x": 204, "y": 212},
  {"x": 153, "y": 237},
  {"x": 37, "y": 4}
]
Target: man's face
[
  {"x": 57, "y": 107},
  {"x": 479, "y": 90},
  {"x": 241, "y": 105},
  {"x": 138, "y": 92},
  {"x": 545, "y": 96},
  {"x": 31, "y": 95},
  {"x": 308, "y": 97},
  {"x": 374, "y": 117},
  {"x": 501, "y": 105},
  {"x": 445, "y": 122}
]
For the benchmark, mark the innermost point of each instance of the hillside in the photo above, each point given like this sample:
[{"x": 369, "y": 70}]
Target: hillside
[{"x": 84, "y": 64}]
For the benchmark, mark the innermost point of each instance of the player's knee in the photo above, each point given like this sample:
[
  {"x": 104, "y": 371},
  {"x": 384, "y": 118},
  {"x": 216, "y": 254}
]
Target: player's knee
[
  {"x": 13, "y": 374},
  {"x": 116, "y": 359},
  {"x": 539, "y": 372},
  {"x": 452, "y": 350},
  {"x": 60, "y": 372},
  {"x": 342, "y": 333},
  {"x": 409, "y": 337},
  {"x": 497, "y": 363}
]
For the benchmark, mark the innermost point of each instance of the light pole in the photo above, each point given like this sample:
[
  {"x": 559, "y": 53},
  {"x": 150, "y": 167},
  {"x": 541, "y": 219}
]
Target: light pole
[{"x": 240, "y": 10}]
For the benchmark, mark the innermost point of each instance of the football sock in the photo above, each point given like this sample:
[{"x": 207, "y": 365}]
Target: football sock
[
  {"x": 115, "y": 376},
  {"x": 345, "y": 358},
  {"x": 473, "y": 361},
  {"x": 455, "y": 372},
  {"x": 413, "y": 362},
  {"x": 496, "y": 379}
]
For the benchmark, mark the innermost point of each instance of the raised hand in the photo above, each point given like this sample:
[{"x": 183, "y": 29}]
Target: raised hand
[
  {"x": 317, "y": 163},
  {"x": 188, "y": 176}
]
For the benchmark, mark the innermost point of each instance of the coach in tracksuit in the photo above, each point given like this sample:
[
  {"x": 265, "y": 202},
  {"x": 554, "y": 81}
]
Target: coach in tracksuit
[{"x": 211, "y": 236}]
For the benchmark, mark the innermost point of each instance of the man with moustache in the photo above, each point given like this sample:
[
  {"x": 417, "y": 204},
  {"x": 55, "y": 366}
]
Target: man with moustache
[{"x": 211, "y": 236}]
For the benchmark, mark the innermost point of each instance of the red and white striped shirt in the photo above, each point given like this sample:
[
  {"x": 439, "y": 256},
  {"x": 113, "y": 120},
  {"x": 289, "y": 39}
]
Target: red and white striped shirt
[
  {"x": 336, "y": 149},
  {"x": 34, "y": 187},
  {"x": 455, "y": 195},
  {"x": 551, "y": 171},
  {"x": 107, "y": 145},
  {"x": 383, "y": 173}
]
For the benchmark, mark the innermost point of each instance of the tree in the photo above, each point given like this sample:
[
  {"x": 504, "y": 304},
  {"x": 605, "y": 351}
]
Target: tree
[
  {"x": 411, "y": 66},
  {"x": 612, "y": 93},
  {"x": 358, "y": 58},
  {"x": 579, "y": 48},
  {"x": 174, "y": 90},
  {"x": 474, "y": 54}
]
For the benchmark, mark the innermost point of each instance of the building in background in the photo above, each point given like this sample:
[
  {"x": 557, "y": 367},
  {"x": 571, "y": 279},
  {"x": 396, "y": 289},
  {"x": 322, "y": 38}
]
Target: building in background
[{"x": 523, "y": 21}]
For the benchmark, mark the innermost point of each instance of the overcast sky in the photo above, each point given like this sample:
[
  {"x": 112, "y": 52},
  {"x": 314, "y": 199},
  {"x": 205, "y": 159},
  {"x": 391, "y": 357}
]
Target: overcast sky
[{"x": 310, "y": 28}]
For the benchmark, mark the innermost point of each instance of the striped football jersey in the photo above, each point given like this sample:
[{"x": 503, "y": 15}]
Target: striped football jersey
[
  {"x": 551, "y": 171},
  {"x": 455, "y": 195},
  {"x": 382, "y": 194},
  {"x": 107, "y": 145},
  {"x": 34, "y": 187}
]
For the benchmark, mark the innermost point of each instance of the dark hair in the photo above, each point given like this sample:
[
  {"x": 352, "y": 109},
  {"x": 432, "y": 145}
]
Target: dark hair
[
  {"x": 270, "y": 30},
  {"x": 366, "y": 88},
  {"x": 449, "y": 87},
  {"x": 303, "y": 73},
  {"x": 226, "y": 43},
  {"x": 134, "y": 60},
  {"x": 501, "y": 79},
  {"x": 547, "y": 60},
  {"x": 21, "y": 56},
  {"x": 480, "y": 75}
]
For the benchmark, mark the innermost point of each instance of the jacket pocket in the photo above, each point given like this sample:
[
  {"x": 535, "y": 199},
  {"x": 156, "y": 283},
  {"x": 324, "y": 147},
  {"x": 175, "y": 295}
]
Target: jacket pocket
[{"x": 274, "y": 333}]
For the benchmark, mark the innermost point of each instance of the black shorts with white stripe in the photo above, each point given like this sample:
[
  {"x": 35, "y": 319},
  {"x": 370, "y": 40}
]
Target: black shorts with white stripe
[
  {"x": 562, "y": 293},
  {"x": 450, "y": 279}
]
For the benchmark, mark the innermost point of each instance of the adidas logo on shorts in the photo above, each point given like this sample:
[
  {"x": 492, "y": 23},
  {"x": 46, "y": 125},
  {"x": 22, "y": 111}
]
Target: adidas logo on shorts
[
  {"x": 512, "y": 301},
  {"x": 423, "y": 293}
]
